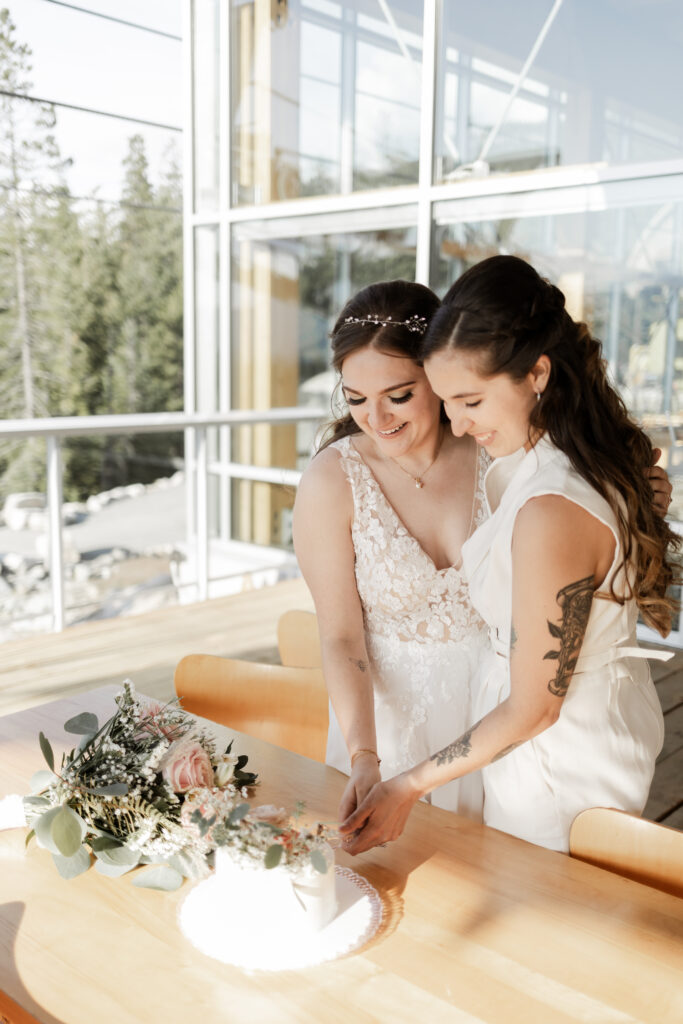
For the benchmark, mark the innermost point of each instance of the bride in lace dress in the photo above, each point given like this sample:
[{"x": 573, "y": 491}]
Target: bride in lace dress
[{"x": 381, "y": 515}]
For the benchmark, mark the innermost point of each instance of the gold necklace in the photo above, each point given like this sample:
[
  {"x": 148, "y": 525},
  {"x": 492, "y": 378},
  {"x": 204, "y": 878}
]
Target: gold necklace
[{"x": 419, "y": 480}]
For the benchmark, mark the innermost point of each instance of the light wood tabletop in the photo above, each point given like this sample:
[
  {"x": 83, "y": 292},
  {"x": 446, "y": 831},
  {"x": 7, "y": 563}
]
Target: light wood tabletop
[{"x": 478, "y": 926}]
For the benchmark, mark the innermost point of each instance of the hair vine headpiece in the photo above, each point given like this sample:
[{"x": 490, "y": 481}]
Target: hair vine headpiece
[{"x": 416, "y": 324}]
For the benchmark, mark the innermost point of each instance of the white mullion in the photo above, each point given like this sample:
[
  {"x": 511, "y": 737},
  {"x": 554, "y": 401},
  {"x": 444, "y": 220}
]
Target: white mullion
[
  {"x": 189, "y": 347},
  {"x": 499, "y": 184},
  {"x": 424, "y": 205},
  {"x": 224, "y": 297}
]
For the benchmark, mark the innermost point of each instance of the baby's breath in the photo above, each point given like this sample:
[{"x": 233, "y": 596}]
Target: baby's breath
[{"x": 118, "y": 789}]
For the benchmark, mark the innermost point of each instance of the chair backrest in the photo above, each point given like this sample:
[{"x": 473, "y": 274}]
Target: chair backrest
[
  {"x": 298, "y": 640},
  {"x": 630, "y": 846},
  {"x": 285, "y": 706}
]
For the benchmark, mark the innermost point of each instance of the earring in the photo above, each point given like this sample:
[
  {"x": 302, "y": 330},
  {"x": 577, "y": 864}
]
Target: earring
[{"x": 538, "y": 397}]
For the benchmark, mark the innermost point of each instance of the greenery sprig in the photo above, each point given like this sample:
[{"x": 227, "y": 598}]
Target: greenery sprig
[{"x": 149, "y": 787}]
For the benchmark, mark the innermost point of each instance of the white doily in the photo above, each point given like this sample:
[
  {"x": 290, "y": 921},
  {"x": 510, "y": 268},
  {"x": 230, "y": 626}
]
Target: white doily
[{"x": 206, "y": 921}]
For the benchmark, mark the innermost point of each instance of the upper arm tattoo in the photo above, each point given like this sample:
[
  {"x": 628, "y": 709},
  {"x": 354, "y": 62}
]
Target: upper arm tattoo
[
  {"x": 359, "y": 664},
  {"x": 458, "y": 748},
  {"x": 575, "y": 602},
  {"x": 513, "y": 637}
]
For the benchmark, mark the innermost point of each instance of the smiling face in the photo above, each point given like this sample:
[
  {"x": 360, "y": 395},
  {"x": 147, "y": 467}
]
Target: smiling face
[
  {"x": 390, "y": 400},
  {"x": 493, "y": 410}
]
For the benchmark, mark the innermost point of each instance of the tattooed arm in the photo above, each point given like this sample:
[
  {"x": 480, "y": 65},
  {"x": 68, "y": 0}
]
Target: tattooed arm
[
  {"x": 322, "y": 539},
  {"x": 552, "y": 593}
]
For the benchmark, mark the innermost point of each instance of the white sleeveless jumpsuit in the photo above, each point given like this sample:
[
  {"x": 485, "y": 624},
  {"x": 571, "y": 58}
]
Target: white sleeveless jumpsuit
[
  {"x": 423, "y": 638},
  {"x": 601, "y": 751}
]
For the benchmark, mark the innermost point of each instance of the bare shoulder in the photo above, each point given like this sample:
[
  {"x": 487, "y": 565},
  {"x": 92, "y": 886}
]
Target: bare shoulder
[
  {"x": 552, "y": 531},
  {"x": 324, "y": 473},
  {"x": 323, "y": 489},
  {"x": 553, "y": 515}
]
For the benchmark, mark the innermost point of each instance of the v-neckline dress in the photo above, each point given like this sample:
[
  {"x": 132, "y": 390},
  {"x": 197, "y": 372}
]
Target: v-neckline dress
[{"x": 424, "y": 639}]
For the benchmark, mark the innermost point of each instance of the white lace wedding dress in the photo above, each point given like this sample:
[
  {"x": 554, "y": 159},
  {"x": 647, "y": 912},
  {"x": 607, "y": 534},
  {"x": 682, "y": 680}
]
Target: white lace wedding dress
[{"x": 423, "y": 637}]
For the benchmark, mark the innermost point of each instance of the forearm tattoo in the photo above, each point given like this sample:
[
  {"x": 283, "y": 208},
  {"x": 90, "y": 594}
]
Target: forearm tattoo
[
  {"x": 459, "y": 748},
  {"x": 513, "y": 637},
  {"x": 359, "y": 664},
  {"x": 575, "y": 602},
  {"x": 506, "y": 750}
]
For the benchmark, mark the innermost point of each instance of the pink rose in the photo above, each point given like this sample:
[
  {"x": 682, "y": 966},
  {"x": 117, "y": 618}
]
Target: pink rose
[
  {"x": 186, "y": 765},
  {"x": 152, "y": 711},
  {"x": 268, "y": 812}
]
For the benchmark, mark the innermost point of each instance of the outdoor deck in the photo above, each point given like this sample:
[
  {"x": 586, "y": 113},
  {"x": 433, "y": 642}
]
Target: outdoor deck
[{"x": 147, "y": 647}]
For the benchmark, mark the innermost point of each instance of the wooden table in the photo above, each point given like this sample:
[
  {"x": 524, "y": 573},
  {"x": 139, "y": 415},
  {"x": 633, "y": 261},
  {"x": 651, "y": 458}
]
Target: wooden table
[{"x": 479, "y": 926}]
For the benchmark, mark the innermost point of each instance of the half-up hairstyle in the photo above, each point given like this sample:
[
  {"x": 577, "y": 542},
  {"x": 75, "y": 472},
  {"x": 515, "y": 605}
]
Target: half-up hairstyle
[
  {"x": 504, "y": 311},
  {"x": 390, "y": 316}
]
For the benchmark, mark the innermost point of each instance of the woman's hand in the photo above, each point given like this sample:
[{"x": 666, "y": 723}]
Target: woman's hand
[
  {"x": 382, "y": 815},
  {"x": 364, "y": 775},
  {"x": 662, "y": 488}
]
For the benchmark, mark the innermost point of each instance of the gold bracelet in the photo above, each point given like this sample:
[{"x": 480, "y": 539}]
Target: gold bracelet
[{"x": 364, "y": 750}]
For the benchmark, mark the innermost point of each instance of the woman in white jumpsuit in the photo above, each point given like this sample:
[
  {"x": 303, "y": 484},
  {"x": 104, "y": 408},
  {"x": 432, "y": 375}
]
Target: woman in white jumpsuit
[{"x": 566, "y": 715}]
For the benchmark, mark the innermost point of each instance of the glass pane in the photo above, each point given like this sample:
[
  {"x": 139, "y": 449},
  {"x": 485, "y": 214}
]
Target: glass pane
[
  {"x": 206, "y": 319},
  {"x": 621, "y": 270},
  {"x": 205, "y": 58},
  {"x": 124, "y": 529},
  {"x": 287, "y": 293},
  {"x": 601, "y": 84},
  {"x": 326, "y": 97}
]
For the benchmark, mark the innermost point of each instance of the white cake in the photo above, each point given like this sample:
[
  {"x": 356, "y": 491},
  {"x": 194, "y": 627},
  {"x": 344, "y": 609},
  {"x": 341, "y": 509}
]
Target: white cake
[{"x": 303, "y": 898}]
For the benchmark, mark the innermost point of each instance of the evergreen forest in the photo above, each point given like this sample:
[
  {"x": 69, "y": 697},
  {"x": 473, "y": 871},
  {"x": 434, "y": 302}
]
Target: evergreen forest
[{"x": 90, "y": 298}]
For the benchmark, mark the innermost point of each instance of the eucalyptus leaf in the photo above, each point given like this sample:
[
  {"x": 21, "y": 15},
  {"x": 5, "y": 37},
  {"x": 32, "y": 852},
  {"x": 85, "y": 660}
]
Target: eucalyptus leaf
[
  {"x": 277, "y": 830},
  {"x": 162, "y": 877},
  {"x": 104, "y": 841},
  {"x": 43, "y": 829},
  {"x": 319, "y": 861},
  {"x": 238, "y": 813},
  {"x": 112, "y": 870},
  {"x": 68, "y": 831},
  {"x": 117, "y": 856},
  {"x": 70, "y": 867},
  {"x": 273, "y": 855},
  {"x": 112, "y": 789},
  {"x": 47, "y": 750},
  {"x": 41, "y": 780},
  {"x": 36, "y": 804},
  {"x": 85, "y": 724},
  {"x": 29, "y": 837},
  {"x": 190, "y": 865}
]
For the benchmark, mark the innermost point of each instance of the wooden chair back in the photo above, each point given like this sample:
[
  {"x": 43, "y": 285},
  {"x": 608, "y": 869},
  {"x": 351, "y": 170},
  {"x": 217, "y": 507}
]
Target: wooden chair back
[
  {"x": 298, "y": 639},
  {"x": 283, "y": 705},
  {"x": 630, "y": 846}
]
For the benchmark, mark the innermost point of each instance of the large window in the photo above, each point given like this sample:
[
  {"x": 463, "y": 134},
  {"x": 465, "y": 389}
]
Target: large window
[
  {"x": 337, "y": 142},
  {"x": 547, "y": 83},
  {"x": 286, "y": 293},
  {"x": 326, "y": 97}
]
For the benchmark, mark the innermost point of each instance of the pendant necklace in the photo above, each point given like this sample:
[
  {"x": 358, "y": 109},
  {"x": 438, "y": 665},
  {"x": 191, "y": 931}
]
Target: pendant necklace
[{"x": 419, "y": 480}]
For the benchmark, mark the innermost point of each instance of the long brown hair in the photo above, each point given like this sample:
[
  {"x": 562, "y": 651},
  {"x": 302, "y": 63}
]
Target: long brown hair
[
  {"x": 390, "y": 316},
  {"x": 502, "y": 309}
]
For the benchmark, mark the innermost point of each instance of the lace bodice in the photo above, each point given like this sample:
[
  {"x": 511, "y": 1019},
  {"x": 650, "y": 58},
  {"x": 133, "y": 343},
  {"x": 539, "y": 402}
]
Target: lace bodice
[{"x": 403, "y": 594}]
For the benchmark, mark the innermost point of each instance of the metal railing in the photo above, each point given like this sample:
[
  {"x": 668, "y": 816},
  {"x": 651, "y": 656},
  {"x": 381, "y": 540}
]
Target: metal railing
[{"x": 194, "y": 426}]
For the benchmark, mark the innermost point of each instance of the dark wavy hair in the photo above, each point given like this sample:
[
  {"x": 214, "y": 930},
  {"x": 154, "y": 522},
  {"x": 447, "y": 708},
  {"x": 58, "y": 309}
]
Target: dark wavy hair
[
  {"x": 395, "y": 301},
  {"x": 505, "y": 312}
]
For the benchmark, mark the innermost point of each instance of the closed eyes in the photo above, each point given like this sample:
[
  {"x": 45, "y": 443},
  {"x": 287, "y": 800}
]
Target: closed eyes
[{"x": 399, "y": 400}]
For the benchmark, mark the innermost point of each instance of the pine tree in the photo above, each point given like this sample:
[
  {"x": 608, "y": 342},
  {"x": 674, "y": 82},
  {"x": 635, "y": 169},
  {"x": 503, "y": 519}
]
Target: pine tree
[{"x": 36, "y": 330}]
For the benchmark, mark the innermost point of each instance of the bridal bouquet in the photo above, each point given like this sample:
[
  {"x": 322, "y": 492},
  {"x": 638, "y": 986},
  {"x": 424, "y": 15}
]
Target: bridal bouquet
[{"x": 149, "y": 787}]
